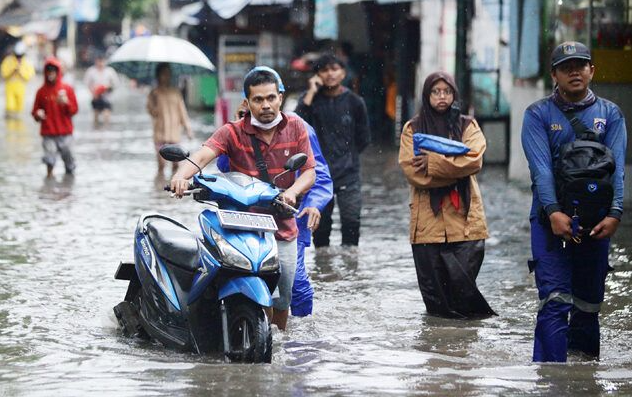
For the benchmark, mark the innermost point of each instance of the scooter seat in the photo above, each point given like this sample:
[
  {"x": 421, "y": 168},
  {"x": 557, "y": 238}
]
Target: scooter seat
[{"x": 174, "y": 243}]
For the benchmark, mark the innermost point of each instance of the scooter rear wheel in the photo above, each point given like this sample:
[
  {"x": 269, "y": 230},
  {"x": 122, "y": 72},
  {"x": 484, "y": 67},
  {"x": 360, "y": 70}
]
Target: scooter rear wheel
[
  {"x": 127, "y": 317},
  {"x": 249, "y": 333}
]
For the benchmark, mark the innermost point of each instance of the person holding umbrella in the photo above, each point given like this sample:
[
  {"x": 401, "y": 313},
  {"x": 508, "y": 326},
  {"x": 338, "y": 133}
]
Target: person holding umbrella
[
  {"x": 447, "y": 223},
  {"x": 168, "y": 114},
  {"x": 162, "y": 57}
]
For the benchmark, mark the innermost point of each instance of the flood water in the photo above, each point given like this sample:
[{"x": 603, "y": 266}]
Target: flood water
[{"x": 61, "y": 241}]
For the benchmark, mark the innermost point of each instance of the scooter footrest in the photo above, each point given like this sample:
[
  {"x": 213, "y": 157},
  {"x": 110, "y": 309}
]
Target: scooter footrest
[{"x": 125, "y": 271}]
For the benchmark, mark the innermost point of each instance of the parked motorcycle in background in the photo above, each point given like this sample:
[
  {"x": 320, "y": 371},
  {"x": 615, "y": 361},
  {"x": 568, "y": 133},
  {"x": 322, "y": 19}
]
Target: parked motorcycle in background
[{"x": 207, "y": 294}]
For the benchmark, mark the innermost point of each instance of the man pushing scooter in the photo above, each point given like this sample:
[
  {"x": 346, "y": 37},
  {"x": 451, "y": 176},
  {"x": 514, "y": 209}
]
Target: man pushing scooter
[{"x": 259, "y": 145}]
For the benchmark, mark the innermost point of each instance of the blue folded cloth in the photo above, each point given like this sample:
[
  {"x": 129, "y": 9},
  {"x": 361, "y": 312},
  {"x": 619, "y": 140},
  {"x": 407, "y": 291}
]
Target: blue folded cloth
[{"x": 437, "y": 144}]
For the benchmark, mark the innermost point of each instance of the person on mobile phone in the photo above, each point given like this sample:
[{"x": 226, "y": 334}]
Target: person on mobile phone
[
  {"x": 55, "y": 104},
  {"x": 341, "y": 122}
]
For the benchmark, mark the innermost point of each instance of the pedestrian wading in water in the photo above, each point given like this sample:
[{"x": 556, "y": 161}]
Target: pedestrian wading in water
[
  {"x": 570, "y": 245},
  {"x": 277, "y": 137},
  {"x": 447, "y": 219},
  {"x": 341, "y": 122},
  {"x": 168, "y": 114},
  {"x": 16, "y": 72},
  {"x": 55, "y": 105},
  {"x": 308, "y": 219}
]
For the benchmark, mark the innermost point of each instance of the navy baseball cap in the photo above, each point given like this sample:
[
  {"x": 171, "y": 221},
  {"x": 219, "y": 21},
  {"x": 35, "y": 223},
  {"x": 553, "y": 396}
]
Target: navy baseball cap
[{"x": 569, "y": 50}]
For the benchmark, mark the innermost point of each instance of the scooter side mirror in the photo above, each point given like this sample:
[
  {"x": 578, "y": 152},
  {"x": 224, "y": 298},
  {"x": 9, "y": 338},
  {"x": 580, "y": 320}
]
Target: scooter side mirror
[
  {"x": 172, "y": 152},
  {"x": 295, "y": 162}
]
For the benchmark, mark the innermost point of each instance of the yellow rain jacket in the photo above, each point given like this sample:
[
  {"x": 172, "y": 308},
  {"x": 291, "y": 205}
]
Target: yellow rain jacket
[{"x": 16, "y": 74}]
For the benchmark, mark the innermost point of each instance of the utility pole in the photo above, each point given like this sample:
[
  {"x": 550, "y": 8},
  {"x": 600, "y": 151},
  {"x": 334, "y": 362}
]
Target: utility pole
[
  {"x": 163, "y": 17},
  {"x": 462, "y": 67},
  {"x": 71, "y": 37}
]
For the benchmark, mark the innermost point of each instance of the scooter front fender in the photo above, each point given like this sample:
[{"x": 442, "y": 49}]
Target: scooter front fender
[{"x": 252, "y": 287}]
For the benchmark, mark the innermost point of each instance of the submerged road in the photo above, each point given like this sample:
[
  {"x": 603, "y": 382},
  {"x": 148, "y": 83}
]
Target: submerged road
[{"x": 61, "y": 241}]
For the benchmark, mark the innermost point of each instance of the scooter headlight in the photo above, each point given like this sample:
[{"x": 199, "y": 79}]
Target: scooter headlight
[
  {"x": 271, "y": 262},
  {"x": 229, "y": 255}
]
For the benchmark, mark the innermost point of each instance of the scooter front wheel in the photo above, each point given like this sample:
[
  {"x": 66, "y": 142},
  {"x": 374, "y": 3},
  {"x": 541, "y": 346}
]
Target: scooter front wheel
[{"x": 249, "y": 333}]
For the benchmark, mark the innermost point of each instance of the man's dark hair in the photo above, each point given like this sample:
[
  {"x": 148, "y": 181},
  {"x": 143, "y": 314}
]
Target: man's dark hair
[
  {"x": 327, "y": 60},
  {"x": 161, "y": 66},
  {"x": 259, "y": 77}
]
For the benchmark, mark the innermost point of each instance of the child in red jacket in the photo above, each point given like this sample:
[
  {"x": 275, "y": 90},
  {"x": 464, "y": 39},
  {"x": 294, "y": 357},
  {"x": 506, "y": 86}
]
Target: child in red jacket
[{"x": 55, "y": 104}]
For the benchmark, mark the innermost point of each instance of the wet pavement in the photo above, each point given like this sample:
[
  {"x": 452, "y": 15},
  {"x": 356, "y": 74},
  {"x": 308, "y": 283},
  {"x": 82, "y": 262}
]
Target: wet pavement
[{"x": 61, "y": 241}]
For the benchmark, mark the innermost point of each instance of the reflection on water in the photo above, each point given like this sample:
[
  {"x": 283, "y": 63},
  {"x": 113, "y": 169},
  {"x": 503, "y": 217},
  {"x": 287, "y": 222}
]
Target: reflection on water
[
  {"x": 334, "y": 263},
  {"x": 56, "y": 187},
  {"x": 61, "y": 240}
]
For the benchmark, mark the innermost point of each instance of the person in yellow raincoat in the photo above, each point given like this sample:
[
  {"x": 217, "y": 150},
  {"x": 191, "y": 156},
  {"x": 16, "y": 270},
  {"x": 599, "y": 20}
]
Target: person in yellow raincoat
[{"x": 16, "y": 72}]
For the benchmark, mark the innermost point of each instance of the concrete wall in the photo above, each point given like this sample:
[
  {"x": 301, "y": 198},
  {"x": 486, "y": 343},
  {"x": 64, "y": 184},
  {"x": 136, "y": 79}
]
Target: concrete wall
[
  {"x": 523, "y": 94},
  {"x": 496, "y": 137},
  {"x": 438, "y": 39},
  {"x": 620, "y": 94}
]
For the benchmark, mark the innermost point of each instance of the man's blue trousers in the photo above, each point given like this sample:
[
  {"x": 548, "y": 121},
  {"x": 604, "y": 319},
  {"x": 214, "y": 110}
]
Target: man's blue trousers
[{"x": 571, "y": 284}]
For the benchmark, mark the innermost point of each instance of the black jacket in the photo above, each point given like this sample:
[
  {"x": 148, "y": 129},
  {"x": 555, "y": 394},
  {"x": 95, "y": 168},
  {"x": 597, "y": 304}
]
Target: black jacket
[{"x": 342, "y": 126}]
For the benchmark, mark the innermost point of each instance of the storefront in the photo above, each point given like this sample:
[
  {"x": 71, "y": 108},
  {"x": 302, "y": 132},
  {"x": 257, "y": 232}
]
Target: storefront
[{"x": 237, "y": 35}]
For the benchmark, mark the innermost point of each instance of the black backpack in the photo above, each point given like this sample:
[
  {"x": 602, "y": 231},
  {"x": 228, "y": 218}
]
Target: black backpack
[{"x": 583, "y": 172}]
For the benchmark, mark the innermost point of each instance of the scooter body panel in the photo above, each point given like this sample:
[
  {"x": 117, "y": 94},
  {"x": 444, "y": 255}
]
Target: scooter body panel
[
  {"x": 183, "y": 285},
  {"x": 205, "y": 276},
  {"x": 242, "y": 190},
  {"x": 151, "y": 263},
  {"x": 254, "y": 288},
  {"x": 254, "y": 245}
]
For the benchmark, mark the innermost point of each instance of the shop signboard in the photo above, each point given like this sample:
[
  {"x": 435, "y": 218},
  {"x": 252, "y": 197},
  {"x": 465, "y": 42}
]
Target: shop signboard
[{"x": 237, "y": 55}]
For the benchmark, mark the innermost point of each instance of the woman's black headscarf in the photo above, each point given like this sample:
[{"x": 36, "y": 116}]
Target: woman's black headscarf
[{"x": 449, "y": 124}]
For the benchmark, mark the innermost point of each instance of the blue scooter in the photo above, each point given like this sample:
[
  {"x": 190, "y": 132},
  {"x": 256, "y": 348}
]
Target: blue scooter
[{"x": 207, "y": 294}]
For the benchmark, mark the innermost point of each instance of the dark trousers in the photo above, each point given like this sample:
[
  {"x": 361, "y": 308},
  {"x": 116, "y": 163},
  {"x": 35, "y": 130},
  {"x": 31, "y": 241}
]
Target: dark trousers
[
  {"x": 571, "y": 281},
  {"x": 446, "y": 273},
  {"x": 349, "y": 199}
]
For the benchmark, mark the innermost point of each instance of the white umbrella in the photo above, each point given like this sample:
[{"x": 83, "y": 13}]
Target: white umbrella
[{"x": 137, "y": 58}]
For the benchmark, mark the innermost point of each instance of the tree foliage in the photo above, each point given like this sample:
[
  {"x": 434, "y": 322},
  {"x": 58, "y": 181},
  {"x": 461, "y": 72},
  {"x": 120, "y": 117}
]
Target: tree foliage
[{"x": 116, "y": 10}]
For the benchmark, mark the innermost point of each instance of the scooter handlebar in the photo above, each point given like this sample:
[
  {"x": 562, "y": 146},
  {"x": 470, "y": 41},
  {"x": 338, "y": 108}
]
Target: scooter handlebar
[
  {"x": 189, "y": 192},
  {"x": 285, "y": 205}
]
